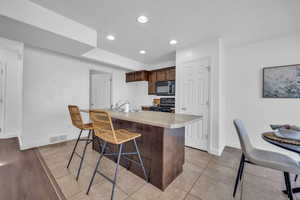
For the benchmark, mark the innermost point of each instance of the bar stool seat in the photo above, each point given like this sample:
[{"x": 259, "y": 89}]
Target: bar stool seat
[
  {"x": 88, "y": 126},
  {"x": 104, "y": 130},
  {"x": 122, "y": 136}
]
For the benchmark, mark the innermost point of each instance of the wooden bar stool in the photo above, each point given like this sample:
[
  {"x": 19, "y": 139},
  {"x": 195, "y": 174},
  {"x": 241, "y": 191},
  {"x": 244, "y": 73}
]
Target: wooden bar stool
[
  {"x": 104, "y": 130},
  {"x": 77, "y": 122}
]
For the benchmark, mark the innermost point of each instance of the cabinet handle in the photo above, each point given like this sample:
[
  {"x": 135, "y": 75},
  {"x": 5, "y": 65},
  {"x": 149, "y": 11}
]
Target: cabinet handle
[{"x": 183, "y": 109}]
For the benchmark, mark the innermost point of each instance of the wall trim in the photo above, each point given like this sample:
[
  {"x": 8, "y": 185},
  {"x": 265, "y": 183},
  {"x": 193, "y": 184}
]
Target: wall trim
[
  {"x": 45, "y": 141},
  {"x": 9, "y": 135},
  {"x": 217, "y": 152}
]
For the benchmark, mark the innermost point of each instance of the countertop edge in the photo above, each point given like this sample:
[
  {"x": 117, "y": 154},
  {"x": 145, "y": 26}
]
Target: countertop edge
[{"x": 151, "y": 123}]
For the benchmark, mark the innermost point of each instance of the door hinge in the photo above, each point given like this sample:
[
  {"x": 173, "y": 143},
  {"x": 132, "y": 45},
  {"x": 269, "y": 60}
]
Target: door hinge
[
  {"x": 208, "y": 68},
  {"x": 2, "y": 71},
  {"x": 0, "y": 129}
]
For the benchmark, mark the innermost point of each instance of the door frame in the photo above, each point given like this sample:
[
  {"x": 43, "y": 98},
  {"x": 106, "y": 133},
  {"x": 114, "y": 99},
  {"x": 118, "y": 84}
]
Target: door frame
[
  {"x": 3, "y": 73},
  {"x": 91, "y": 72},
  {"x": 203, "y": 62}
]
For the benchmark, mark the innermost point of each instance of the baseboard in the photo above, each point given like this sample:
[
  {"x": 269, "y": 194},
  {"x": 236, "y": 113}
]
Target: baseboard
[
  {"x": 9, "y": 135},
  {"x": 44, "y": 142},
  {"x": 217, "y": 152}
]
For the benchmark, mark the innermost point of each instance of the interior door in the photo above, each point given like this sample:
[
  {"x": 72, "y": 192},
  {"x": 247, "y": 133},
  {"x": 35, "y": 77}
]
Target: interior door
[
  {"x": 100, "y": 91},
  {"x": 194, "y": 99}
]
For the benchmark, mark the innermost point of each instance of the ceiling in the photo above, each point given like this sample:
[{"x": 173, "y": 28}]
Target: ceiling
[{"x": 188, "y": 22}]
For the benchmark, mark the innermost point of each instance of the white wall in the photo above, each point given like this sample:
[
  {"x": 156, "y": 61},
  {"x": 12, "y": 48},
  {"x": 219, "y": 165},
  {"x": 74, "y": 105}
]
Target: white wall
[
  {"x": 35, "y": 15},
  {"x": 243, "y": 83},
  {"x": 51, "y": 82},
  {"x": 11, "y": 55},
  {"x": 209, "y": 50}
]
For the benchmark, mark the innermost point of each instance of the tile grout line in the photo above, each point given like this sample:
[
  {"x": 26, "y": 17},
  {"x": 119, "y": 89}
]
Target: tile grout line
[{"x": 189, "y": 192}]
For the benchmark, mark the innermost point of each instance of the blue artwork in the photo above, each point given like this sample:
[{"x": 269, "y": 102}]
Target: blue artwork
[{"x": 281, "y": 82}]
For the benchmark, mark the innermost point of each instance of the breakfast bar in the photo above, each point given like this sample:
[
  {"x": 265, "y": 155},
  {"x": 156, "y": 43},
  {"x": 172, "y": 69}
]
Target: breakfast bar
[{"x": 161, "y": 144}]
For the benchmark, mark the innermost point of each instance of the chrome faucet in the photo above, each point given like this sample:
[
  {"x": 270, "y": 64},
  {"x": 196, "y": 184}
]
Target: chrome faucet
[{"x": 118, "y": 107}]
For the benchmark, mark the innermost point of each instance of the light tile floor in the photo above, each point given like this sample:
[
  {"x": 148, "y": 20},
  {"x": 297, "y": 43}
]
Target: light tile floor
[{"x": 204, "y": 177}]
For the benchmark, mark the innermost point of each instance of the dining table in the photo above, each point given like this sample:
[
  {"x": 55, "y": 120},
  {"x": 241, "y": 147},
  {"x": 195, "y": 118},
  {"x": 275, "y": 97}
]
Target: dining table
[{"x": 295, "y": 147}]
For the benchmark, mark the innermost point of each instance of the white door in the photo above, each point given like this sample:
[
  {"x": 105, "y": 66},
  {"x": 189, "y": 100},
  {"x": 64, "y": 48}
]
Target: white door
[
  {"x": 2, "y": 89},
  {"x": 194, "y": 99},
  {"x": 100, "y": 91}
]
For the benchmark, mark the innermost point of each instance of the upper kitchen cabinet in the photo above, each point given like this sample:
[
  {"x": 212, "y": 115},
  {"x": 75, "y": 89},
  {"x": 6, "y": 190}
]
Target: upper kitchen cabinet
[
  {"x": 137, "y": 76},
  {"x": 161, "y": 75},
  {"x": 170, "y": 74},
  {"x": 166, "y": 74},
  {"x": 152, "y": 80}
]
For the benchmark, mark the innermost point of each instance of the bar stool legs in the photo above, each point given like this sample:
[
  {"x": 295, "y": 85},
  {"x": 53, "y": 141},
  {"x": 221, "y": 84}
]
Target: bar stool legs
[
  {"x": 119, "y": 155},
  {"x": 140, "y": 159},
  {"x": 116, "y": 172},
  {"x": 74, "y": 148},
  {"x": 97, "y": 166},
  {"x": 88, "y": 140},
  {"x": 83, "y": 155}
]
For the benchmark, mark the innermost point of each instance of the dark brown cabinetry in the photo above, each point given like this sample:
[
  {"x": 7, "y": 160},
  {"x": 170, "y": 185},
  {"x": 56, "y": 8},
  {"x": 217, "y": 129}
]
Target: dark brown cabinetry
[
  {"x": 164, "y": 74},
  {"x": 152, "y": 80},
  {"x": 137, "y": 76},
  {"x": 130, "y": 77},
  {"x": 170, "y": 74}
]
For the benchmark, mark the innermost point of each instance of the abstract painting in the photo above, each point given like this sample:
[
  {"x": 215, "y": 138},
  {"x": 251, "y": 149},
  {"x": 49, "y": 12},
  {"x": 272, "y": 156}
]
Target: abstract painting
[{"x": 281, "y": 82}]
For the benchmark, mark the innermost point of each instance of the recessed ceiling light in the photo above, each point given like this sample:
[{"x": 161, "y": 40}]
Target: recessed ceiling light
[
  {"x": 173, "y": 42},
  {"x": 143, "y": 52},
  {"x": 110, "y": 37},
  {"x": 142, "y": 19}
]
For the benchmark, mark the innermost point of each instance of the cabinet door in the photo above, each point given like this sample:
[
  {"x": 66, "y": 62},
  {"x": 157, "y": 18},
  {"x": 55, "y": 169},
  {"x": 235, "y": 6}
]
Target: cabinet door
[
  {"x": 161, "y": 75},
  {"x": 171, "y": 74},
  {"x": 151, "y": 88},
  {"x": 130, "y": 77},
  {"x": 138, "y": 76},
  {"x": 151, "y": 83},
  {"x": 152, "y": 77}
]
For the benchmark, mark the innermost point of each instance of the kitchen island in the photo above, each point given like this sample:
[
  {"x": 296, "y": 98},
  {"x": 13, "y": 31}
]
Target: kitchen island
[{"x": 161, "y": 145}]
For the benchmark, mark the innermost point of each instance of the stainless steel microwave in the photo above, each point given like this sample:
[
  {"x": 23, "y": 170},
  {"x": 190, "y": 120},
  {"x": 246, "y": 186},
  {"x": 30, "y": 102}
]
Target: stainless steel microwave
[{"x": 165, "y": 88}]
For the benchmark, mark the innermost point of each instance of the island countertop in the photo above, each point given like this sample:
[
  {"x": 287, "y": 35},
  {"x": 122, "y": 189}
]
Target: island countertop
[{"x": 160, "y": 119}]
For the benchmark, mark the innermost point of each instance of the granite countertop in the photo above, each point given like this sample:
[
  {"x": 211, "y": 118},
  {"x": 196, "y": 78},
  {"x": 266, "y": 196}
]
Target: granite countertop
[{"x": 161, "y": 119}]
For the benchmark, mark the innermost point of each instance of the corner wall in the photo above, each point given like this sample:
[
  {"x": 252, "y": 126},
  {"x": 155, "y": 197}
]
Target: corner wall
[
  {"x": 208, "y": 50},
  {"x": 51, "y": 82},
  {"x": 243, "y": 93}
]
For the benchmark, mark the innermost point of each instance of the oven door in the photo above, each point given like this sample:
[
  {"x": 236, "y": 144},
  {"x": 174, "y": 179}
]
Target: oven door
[{"x": 163, "y": 88}]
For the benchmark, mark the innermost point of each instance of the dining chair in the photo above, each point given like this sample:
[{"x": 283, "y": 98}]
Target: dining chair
[
  {"x": 263, "y": 158},
  {"x": 104, "y": 130},
  {"x": 78, "y": 123}
]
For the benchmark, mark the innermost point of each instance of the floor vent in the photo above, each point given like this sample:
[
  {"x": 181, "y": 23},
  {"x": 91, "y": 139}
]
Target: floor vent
[{"x": 58, "y": 138}]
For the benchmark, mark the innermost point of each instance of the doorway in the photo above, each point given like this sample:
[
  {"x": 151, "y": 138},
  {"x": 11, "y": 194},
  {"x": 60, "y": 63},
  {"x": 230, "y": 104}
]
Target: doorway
[
  {"x": 194, "y": 99},
  {"x": 100, "y": 90}
]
